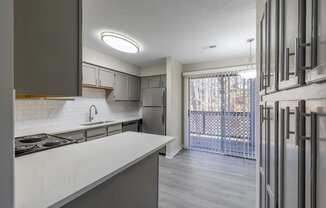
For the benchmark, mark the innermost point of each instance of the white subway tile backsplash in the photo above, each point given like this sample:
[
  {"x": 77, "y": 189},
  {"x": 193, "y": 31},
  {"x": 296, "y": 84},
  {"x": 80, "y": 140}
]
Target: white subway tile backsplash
[{"x": 30, "y": 113}]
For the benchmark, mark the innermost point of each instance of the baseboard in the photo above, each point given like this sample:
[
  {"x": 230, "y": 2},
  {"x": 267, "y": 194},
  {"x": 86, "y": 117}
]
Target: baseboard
[{"x": 173, "y": 154}]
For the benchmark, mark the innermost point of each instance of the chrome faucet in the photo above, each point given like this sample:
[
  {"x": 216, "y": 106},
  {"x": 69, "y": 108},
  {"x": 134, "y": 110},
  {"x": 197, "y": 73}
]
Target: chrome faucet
[{"x": 90, "y": 117}]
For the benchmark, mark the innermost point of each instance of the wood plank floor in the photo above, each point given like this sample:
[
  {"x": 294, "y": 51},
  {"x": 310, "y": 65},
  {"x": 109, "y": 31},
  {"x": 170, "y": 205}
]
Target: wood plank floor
[{"x": 204, "y": 180}]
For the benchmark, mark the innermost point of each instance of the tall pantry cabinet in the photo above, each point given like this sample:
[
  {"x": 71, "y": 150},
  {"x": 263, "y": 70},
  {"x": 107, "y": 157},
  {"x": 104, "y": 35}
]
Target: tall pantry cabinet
[{"x": 291, "y": 58}]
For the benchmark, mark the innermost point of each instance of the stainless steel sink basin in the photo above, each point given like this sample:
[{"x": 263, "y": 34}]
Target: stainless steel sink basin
[{"x": 95, "y": 123}]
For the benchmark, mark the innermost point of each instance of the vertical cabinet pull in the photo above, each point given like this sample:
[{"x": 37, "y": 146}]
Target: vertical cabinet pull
[
  {"x": 313, "y": 179},
  {"x": 287, "y": 123},
  {"x": 287, "y": 62},
  {"x": 297, "y": 125}
]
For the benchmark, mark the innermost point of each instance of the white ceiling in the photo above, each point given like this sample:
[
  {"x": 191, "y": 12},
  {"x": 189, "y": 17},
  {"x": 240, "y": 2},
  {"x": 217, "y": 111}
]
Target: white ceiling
[{"x": 178, "y": 28}]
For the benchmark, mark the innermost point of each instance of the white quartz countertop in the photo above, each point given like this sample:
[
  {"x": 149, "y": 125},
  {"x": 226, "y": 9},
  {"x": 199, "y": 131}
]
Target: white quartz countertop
[
  {"x": 67, "y": 127},
  {"x": 54, "y": 177}
]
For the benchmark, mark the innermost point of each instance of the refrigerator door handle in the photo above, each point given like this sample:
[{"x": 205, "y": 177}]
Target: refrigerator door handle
[{"x": 164, "y": 97}]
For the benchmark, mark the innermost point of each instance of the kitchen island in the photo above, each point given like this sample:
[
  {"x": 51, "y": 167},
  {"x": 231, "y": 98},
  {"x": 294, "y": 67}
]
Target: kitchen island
[{"x": 115, "y": 171}]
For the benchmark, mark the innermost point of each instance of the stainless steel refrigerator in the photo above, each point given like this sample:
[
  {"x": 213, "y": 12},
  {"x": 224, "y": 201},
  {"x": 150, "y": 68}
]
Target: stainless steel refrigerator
[{"x": 154, "y": 110}]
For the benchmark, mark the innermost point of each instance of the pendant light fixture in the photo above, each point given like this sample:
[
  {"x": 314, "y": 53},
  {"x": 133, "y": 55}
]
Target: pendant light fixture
[{"x": 250, "y": 72}]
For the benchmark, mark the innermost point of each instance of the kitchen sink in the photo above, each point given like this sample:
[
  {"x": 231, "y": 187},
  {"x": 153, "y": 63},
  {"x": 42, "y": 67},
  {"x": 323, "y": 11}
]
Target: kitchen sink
[{"x": 95, "y": 123}]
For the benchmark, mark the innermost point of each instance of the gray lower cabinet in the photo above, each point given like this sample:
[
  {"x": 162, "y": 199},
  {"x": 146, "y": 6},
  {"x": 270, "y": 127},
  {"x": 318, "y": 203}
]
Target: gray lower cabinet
[
  {"x": 114, "y": 132},
  {"x": 77, "y": 135},
  {"x": 114, "y": 129},
  {"x": 271, "y": 136},
  {"x": 289, "y": 155},
  {"x": 130, "y": 126},
  {"x": 315, "y": 155},
  {"x": 92, "y": 134},
  {"x": 262, "y": 156},
  {"x": 96, "y": 133},
  {"x": 134, "y": 187},
  {"x": 48, "y": 52}
]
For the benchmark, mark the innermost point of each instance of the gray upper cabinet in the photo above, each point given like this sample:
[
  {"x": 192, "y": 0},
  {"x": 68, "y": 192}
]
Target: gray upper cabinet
[
  {"x": 106, "y": 78},
  {"x": 126, "y": 87},
  {"x": 314, "y": 44},
  {"x": 154, "y": 82},
  {"x": 47, "y": 47},
  {"x": 134, "y": 88},
  {"x": 289, "y": 76},
  {"x": 97, "y": 77},
  {"x": 315, "y": 156},
  {"x": 121, "y": 89},
  {"x": 263, "y": 53},
  {"x": 144, "y": 82},
  {"x": 90, "y": 75},
  {"x": 273, "y": 46}
]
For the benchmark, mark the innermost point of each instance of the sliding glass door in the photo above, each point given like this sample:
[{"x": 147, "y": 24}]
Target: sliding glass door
[{"x": 221, "y": 114}]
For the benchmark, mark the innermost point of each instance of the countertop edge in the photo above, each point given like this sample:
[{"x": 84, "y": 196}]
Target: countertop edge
[{"x": 105, "y": 178}]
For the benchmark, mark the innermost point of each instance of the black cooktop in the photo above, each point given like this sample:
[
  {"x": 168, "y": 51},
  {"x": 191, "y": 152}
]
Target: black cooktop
[{"x": 40, "y": 142}]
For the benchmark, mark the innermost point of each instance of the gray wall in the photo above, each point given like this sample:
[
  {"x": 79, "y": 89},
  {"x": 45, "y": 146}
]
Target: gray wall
[{"x": 6, "y": 104}]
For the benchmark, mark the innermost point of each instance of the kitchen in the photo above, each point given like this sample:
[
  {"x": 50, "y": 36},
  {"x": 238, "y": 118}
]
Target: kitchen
[
  {"x": 170, "y": 104},
  {"x": 98, "y": 113}
]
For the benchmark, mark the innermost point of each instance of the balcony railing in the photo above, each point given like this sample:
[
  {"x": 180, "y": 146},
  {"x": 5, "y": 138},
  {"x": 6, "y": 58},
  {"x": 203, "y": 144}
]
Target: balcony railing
[{"x": 229, "y": 133}]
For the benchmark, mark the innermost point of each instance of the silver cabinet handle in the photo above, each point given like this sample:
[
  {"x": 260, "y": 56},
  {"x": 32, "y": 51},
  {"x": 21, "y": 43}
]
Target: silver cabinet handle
[
  {"x": 287, "y": 123},
  {"x": 297, "y": 125},
  {"x": 287, "y": 63},
  {"x": 314, "y": 160}
]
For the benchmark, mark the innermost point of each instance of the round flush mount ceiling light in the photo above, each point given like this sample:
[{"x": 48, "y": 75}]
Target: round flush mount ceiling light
[{"x": 120, "y": 42}]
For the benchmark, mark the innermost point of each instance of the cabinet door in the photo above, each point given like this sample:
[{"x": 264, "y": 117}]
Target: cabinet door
[
  {"x": 262, "y": 157},
  {"x": 289, "y": 155},
  {"x": 48, "y": 52},
  {"x": 90, "y": 75},
  {"x": 121, "y": 91},
  {"x": 263, "y": 53},
  {"x": 289, "y": 33},
  {"x": 134, "y": 88},
  {"x": 106, "y": 78},
  {"x": 271, "y": 117},
  {"x": 314, "y": 43},
  {"x": 155, "y": 82},
  {"x": 315, "y": 174},
  {"x": 273, "y": 45},
  {"x": 144, "y": 82}
]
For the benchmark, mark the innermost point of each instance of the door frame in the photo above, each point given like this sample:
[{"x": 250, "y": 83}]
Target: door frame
[{"x": 198, "y": 73}]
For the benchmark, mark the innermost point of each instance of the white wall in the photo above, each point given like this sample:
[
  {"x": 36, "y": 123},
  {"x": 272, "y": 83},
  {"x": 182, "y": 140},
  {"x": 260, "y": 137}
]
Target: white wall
[
  {"x": 92, "y": 56},
  {"x": 174, "y": 112},
  {"x": 6, "y": 105},
  {"x": 152, "y": 70},
  {"x": 48, "y": 114},
  {"x": 216, "y": 64}
]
